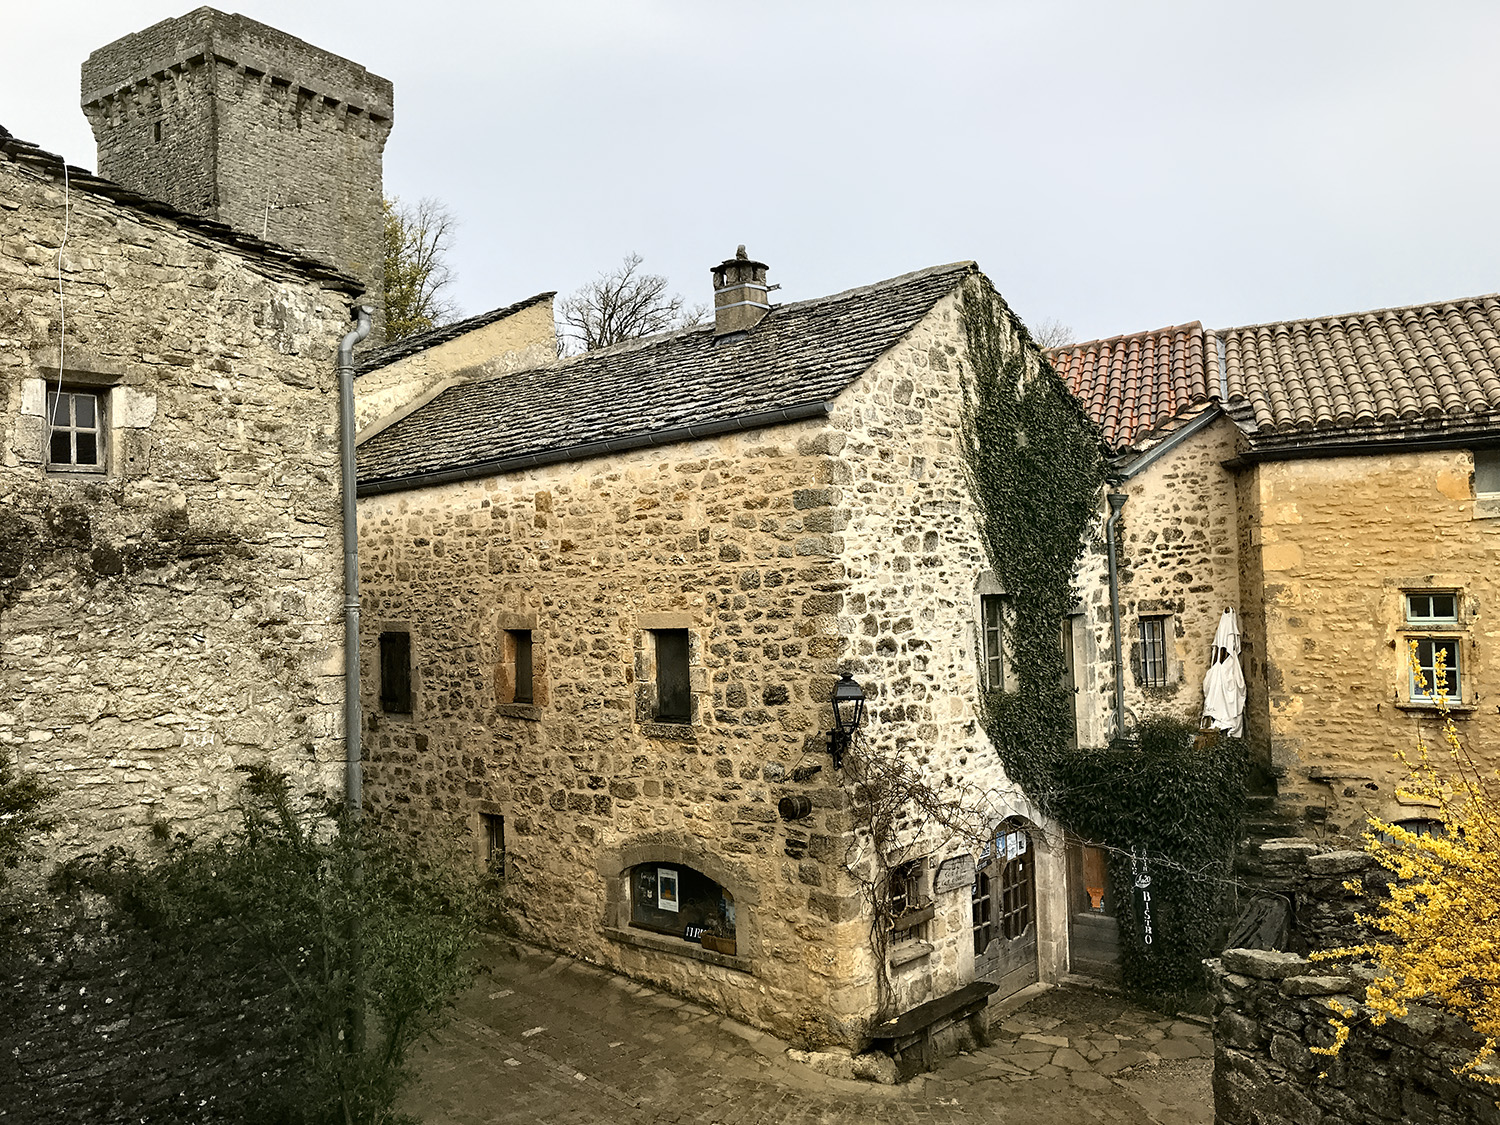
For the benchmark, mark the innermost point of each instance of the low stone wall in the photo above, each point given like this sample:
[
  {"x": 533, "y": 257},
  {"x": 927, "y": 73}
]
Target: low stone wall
[
  {"x": 1271, "y": 1009},
  {"x": 1313, "y": 877}
]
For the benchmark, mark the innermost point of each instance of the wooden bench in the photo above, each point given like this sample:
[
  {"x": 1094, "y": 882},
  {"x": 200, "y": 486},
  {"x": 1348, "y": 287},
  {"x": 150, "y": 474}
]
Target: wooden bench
[{"x": 916, "y": 1027}]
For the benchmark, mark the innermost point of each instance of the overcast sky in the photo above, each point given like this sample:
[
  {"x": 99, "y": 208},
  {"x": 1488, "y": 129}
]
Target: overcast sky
[{"x": 1116, "y": 166}]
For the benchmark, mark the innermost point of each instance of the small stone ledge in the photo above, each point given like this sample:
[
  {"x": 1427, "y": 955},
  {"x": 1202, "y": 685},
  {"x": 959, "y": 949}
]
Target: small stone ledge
[
  {"x": 519, "y": 711},
  {"x": 1316, "y": 986},
  {"x": 1264, "y": 964},
  {"x": 1338, "y": 863},
  {"x": 678, "y": 948},
  {"x": 909, "y": 951},
  {"x": 670, "y": 732}
]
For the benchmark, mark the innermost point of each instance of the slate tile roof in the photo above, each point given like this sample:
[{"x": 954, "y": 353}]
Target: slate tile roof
[
  {"x": 421, "y": 341},
  {"x": 1360, "y": 373},
  {"x": 800, "y": 356},
  {"x": 27, "y": 155},
  {"x": 1132, "y": 386}
]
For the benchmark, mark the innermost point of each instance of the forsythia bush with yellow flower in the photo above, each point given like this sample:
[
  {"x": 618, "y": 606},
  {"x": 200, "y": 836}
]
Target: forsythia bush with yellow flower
[{"x": 1442, "y": 913}]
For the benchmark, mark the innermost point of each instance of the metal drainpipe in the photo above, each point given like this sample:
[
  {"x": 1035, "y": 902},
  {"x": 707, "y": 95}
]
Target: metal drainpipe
[
  {"x": 1116, "y": 505},
  {"x": 353, "y": 785}
]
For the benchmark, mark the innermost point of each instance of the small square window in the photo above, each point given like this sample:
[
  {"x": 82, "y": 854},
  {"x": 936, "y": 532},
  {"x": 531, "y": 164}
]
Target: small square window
[
  {"x": 674, "y": 696},
  {"x": 911, "y": 906},
  {"x": 1432, "y": 608},
  {"x": 75, "y": 430},
  {"x": 395, "y": 673},
  {"x": 1153, "y": 651}
]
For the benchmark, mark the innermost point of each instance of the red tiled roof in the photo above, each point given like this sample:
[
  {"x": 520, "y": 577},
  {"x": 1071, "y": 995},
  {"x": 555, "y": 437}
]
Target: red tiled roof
[
  {"x": 1424, "y": 364},
  {"x": 1132, "y": 385}
]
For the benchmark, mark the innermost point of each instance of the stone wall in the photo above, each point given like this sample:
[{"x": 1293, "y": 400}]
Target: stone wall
[
  {"x": 710, "y": 536},
  {"x": 1178, "y": 559},
  {"x": 178, "y": 613},
  {"x": 228, "y": 118},
  {"x": 1337, "y": 542},
  {"x": 909, "y": 627},
  {"x": 1271, "y": 1009}
]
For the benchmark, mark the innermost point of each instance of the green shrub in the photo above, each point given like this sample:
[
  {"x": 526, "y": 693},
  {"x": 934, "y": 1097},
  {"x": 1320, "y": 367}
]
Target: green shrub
[{"x": 341, "y": 946}]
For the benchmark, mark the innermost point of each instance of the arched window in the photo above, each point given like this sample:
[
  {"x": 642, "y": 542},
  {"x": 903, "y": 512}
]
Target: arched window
[{"x": 670, "y": 898}]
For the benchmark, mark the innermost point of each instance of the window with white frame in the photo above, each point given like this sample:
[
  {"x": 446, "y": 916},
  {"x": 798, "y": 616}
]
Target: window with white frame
[
  {"x": 1434, "y": 662},
  {"x": 1487, "y": 474},
  {"x": 76, "y": 434}
]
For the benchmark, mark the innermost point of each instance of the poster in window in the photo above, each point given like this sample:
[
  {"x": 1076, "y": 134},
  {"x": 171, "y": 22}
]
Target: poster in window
[
  {"x": 666, "y": 889},
  {"x": 645, "y": 887}
]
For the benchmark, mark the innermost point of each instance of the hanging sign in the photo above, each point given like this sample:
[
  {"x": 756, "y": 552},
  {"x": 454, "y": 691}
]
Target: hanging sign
[
  {"x": 953, "y": 874},
  {"x": 1140, "y": 898}
]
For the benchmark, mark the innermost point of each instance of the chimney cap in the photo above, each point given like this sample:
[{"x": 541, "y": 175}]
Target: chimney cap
[{"x": 740, "y": 259}]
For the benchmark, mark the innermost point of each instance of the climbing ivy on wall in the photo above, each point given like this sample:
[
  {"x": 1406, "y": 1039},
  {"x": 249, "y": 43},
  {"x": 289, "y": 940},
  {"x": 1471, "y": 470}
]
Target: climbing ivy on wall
[{"x": 1035, "y": 466}]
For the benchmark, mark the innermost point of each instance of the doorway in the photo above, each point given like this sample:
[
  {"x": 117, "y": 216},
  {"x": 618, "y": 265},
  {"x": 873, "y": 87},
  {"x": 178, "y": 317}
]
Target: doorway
[{"x": 1004, "y": 918}]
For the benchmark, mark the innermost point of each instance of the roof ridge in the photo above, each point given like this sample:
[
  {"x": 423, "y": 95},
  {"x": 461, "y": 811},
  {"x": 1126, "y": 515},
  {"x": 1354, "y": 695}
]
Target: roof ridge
[
  {"x": 626, "y": 346},
  {"x": 1360, "y": 313},
  {"x": 440, "y": 334},
  {"x": 31, "y": 156},
  {"x": 1198, "y": 324}
]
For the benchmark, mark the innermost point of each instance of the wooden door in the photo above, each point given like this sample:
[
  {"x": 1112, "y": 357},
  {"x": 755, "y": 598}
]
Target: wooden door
[{"x": 1004, "y": 900}]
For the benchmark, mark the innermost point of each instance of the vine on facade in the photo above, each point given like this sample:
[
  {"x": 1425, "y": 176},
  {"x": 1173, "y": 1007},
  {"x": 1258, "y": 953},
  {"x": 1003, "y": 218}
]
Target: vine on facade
[{"x": 1161, "y": 802}]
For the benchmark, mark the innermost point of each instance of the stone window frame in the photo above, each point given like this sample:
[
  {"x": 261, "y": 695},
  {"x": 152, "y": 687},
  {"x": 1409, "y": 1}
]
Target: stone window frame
[
  {"x": 508, "y": 624},
  {"x": 913, "y": 907},
  {"x": 1139, "y": 665},
  {"x": 1433, "y": 629},
  {"x": 615, "y": 865},
  {"x": 645, "y": 675},
  {"x": 374, "y": 713},
  {"x": 82, "y": 372},
  {"x": 988, "y": 591},
  {"x": 485, "y": 816}
]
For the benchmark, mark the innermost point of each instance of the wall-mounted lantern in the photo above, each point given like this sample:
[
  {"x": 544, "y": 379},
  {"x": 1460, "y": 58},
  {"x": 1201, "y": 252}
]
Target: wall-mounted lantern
[{"x": 848, "y": 710}]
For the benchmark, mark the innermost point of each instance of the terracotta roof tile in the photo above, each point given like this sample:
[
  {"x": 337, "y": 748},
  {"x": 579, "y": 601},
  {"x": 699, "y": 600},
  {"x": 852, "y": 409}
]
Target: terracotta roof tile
[
  {"x": 1404, "y": 367},
  {"x": 1134, "y": 385}
]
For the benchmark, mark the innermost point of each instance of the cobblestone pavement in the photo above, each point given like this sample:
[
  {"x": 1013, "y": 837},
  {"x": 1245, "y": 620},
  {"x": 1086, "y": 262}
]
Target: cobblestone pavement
[{"x": 547, "y": 1039}]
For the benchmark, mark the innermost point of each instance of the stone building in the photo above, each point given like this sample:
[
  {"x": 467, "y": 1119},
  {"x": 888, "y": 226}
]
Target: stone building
[
  {"x": 1337, "y": 482},
  {"x": 170, "y": 549},
  {"x": 607, "y": 600},
  {"x": 227, "y": 118}
]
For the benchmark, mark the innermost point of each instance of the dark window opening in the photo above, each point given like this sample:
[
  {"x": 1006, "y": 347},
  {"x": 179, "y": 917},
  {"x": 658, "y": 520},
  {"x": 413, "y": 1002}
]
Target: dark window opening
[
  {"x": 1487, "y": 472},
  {"x": 156, "y": 132},
  {"x": 911, "y": 907},
  {"x": 75, "y": 430},
  {"x": 674, "y": 696},
  {"x": 1069, "y": 682},
  {"x": 1153, "y": 646},
  {"x": 1427, "y": 608},
  {"x": 669, "y": 898},
  {"x": 494, "y": 843},
  {"x": 395, "y": 673},
  {"x": 520, "y": 640},
  {"x": 1435, "y": 671},
  {"x": 992, "y": 615}
]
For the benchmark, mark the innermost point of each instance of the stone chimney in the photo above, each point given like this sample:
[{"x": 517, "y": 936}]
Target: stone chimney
[{"x": 741, "y": 297}]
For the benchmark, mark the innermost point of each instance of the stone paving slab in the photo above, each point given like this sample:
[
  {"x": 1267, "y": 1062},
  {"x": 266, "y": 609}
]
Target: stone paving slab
[{"x": 542, "y": 1038}]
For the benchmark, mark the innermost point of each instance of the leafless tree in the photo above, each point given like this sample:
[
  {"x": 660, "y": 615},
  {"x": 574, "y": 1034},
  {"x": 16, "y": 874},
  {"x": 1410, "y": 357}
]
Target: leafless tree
[
  {"x": 621, "y": 304},
  {"x": 1053, "y": 333},
  {"x": 418, "y": 237}
]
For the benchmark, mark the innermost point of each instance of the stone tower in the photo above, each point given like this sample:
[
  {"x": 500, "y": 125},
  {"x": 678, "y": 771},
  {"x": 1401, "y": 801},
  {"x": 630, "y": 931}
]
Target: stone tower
[{"x": 228, "y": 118}]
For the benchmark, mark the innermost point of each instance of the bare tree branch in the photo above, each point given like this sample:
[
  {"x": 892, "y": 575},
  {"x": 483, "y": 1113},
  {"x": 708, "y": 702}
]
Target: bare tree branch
[
  {"x": 621, "y": 304},
  {"x": 1052, "y": 333},
  {"x": 417, "y": 240}
]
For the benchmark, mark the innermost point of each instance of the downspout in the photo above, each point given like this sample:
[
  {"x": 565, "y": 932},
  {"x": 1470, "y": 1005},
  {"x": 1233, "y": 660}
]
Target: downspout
[
  {"x": 353, "y": 785},
  {"x": 1116, "y": 505}
]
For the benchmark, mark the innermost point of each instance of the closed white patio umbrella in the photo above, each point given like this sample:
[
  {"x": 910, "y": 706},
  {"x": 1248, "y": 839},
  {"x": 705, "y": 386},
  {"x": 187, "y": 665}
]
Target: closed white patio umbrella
[{"x": 1224, "y": 685}]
